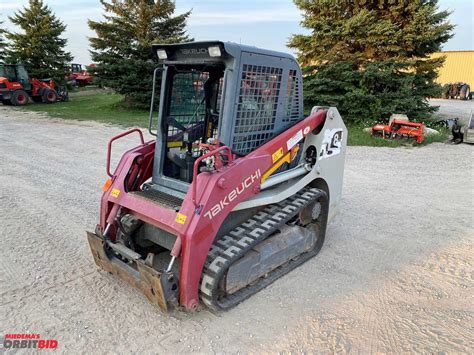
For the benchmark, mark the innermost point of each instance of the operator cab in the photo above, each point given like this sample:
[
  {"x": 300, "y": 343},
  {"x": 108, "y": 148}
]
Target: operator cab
[
  {"x": 16, "y": 73},
  {"x": 76, "y": 68},
  {"x": 219, "y": 93}
]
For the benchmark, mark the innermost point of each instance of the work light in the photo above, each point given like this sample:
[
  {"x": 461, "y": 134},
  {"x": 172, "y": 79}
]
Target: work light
[
  {"x": 162, "y": 54},
  {"x": 214, "y": 51}
]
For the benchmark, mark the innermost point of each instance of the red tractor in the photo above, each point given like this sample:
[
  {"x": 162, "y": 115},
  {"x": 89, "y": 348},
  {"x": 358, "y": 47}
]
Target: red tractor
[
  {"x": 80, "y": 77},
  {"x": 400, "y": 129},
  {"x": 16, "y": 87}
]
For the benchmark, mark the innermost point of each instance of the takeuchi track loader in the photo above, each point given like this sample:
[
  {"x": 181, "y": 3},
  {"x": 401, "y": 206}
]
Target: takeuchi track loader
[{"x": 237, "y": 188}]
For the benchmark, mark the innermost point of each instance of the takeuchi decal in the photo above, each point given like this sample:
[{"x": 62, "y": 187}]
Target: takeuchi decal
[
  {"x": 231, "y": 196},
  {"x": 27, "y": 341},
  {"x": 194, "y": 51}
]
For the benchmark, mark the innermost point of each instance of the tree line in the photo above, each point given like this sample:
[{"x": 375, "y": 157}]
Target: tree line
[{"x": 370, "y": 58}]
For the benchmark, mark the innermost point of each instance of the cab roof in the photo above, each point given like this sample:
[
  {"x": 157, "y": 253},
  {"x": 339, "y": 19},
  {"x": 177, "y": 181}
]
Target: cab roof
[{"x": 191, "y": 51}]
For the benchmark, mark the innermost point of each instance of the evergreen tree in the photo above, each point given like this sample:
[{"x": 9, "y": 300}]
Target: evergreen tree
[
  {"x": 3, "y": 45},
  {"x": 371, "y": 57},
  {"x": 39, "y": 46},
  {"x": 122, "y": 48}
]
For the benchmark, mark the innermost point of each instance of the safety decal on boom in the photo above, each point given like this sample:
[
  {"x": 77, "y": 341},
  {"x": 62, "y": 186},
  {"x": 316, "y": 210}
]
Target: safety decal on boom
[
  {"x": 181, "y": 218},
  {"x": 277, "y": 155},
  {"x": 294, "y": 140},
  {"x": 332, "y": 143}
]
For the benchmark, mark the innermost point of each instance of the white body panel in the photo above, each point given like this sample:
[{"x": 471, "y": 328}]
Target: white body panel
[{"x": 328, "y": 170}]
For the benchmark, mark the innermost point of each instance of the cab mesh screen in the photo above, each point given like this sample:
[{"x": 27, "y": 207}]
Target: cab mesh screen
[
  {"x": 292, "y": 105},
  {"x": 257, "y": 107}
]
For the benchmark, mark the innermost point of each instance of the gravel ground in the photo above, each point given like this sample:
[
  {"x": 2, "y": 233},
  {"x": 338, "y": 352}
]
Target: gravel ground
[
  {"x": 395, "y": 275},
  {"x": 454, "y": 108}
]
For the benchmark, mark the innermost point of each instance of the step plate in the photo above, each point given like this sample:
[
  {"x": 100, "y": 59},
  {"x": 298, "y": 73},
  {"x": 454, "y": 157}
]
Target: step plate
[{"x": 160, "y": 198}]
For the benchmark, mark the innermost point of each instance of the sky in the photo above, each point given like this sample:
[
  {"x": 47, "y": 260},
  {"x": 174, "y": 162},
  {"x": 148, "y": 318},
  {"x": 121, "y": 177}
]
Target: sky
[{"x": 262, "y": 23}]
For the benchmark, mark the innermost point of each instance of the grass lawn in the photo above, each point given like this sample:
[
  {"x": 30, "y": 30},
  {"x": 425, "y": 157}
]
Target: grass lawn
[{"x": 94, "y": 105}]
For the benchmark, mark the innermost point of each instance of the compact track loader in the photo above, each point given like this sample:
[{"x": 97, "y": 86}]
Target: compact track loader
[{"x": 237, "y": 188}]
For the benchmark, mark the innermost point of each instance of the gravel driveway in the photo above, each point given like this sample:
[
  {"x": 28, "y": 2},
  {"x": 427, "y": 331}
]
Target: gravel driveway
[
  {"x": 395, "y": 275},
  {"x": 454, "y": 109}
]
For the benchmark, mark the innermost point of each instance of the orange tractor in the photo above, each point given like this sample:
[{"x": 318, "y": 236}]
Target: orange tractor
[{"x": 16, "y": 87}]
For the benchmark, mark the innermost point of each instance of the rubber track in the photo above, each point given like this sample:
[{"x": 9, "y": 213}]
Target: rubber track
[{"x": 234, "y": 245}]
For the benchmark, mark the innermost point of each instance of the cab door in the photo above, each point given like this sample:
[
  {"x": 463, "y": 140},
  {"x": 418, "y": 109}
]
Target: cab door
[{"x": 23, "y": 77}]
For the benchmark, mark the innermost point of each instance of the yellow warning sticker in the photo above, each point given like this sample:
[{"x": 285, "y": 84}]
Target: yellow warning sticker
[
  {"x": 115, "y": 193},
  {"x": 175, "y": 144},
  {"x": 181, "y": 218},
  {"x": 277, "y": 155}
]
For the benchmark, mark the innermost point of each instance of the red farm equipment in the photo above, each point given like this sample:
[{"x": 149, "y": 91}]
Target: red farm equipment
[
  {"x": 16, "y": 87},
  {"x": 79, "y": 76},
  {"x": 237, "y": 188},
  {"x": 400, "y": 130}
]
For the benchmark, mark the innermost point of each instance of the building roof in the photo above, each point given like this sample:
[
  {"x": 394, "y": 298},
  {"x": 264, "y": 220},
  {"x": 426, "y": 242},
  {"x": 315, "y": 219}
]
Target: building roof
[{"x": 460, "y": 51}]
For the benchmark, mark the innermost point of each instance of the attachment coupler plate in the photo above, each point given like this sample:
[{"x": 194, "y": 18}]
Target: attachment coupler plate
[{"x": 160, "y": 287}]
